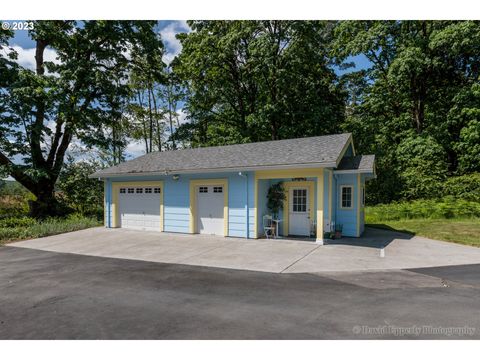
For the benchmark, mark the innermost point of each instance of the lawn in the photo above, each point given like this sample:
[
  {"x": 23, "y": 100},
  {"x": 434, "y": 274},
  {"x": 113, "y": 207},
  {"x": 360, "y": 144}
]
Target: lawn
[
  {"x": 21, "y": 228},
  {"x": 460, "y": 231}
]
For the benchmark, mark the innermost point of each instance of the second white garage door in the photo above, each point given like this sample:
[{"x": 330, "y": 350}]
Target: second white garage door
[
  {"x": 140, "y": 208},
  {"x": 210, "y": 210}
]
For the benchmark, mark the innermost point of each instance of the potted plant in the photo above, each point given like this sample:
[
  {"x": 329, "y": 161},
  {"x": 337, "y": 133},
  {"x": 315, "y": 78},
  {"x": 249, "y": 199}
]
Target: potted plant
[
  {"x": 275, "y": 198},
  {"x": 338, "y": 231}
]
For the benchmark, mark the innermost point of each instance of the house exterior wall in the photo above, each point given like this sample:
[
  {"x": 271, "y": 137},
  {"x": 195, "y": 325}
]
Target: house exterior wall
[
  {"x": 351, "y": 219},
  {"x": 243, "y": 216}
]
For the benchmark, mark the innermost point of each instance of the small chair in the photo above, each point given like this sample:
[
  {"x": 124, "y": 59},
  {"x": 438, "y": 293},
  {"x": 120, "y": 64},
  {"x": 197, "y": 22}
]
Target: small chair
[{"x": 268, "y": 226}]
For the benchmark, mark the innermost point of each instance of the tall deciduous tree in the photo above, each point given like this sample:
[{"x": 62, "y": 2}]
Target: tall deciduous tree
[
  {"x": 45, "y": 109},
  {"x": 420, "y": 90},
  {"x": 258, "y": 80}
]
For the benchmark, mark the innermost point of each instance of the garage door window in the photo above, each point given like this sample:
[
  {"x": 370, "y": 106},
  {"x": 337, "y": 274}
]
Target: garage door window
[
  {"x": 148, "y": 190},
  {"x": 131, "y": 190},
  {"x": 156, "y": 190},
  {"x": 139, "y": 191},
  {"x": 203, "y": 189},
  {"x": 122, "y": 191},
  {"x": 217, "y": 189}
]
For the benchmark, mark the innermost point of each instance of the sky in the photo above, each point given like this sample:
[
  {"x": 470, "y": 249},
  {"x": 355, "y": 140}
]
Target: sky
[{"x": 25, "y": 48}]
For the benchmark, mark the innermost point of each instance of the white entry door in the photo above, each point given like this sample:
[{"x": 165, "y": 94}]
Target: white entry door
[
  {"x": 140, "y": 208},
  {"x": 298, "y": 212},
  {"x": 210, "y": 210}
]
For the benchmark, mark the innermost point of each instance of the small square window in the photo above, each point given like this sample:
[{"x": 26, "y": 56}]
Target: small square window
[
  {"x": 148, "y": 190},
  {"x": 156, "y": 190},
  {"x": 131, "y": 190},
  {"x": 203, "y": 189},
  {"x": 139, "y": 191},
  {"x": 122, "y": 191},
  {"x": 217, "y": 189},
  {"x": 346, "y": 194}
]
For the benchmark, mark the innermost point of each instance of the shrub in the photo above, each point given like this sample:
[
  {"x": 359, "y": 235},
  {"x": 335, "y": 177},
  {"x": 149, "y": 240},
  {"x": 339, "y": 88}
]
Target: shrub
[
  {"x": 17, "y": 222},
  {"x": 465, "y": 187},
  {"x": 27, "y": 228}
]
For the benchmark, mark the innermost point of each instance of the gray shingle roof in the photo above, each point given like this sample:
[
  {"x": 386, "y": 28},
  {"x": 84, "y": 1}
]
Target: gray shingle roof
[
  {"x": 358, "y": 162},
  {"x": 321, "y": 150}
]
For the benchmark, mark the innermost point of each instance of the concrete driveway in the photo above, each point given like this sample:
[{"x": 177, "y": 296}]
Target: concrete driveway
[{"x": 277, "y": 256}]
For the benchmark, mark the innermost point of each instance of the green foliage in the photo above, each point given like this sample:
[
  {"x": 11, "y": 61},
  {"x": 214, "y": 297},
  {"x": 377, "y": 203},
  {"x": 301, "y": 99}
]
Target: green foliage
[
  {"x": 466, "y": 187},
  {"x": 12, "y": 222},
  {"x": 446, "y": 208},
  {"x": 78, "y": 95},
  {"x": 417, "y": 105},
  {"x": 275, "y": 198},
  {"x": 258, "y": 80},
  {"x": 422, "y": 167},
  {"x": 27, "y": 229},
  {"x": 78, "y": 191}
]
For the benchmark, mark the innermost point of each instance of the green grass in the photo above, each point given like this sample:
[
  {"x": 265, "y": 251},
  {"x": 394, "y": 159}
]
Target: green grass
[
  {"x": 13, "y": 229},
  {"x": 448, "y": 219},
  {"x": 460, "y": 231}
]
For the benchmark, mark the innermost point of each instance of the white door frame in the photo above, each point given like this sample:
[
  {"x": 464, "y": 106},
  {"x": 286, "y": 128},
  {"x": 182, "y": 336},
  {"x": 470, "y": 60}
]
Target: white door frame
[{"x": 299, "y": 213}]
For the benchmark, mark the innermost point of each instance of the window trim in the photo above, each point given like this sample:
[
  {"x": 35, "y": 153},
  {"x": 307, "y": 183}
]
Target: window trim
[{"x": 351, "y": 197}]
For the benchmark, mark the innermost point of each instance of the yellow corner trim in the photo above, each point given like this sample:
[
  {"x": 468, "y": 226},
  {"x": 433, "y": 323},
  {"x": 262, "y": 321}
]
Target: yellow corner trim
[
  {"x": 255, "y": 210},
  {"x": 193, "y": 202},
  {"x": 116, "y": 185},
  {"x": 359, "y": 182},
  {"x": 320, "y": 196},
  {"x": 330, "y": 195}
]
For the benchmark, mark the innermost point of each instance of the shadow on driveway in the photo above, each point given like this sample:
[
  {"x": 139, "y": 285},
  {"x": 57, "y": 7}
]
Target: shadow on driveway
[{"x": 377, "y": 236}]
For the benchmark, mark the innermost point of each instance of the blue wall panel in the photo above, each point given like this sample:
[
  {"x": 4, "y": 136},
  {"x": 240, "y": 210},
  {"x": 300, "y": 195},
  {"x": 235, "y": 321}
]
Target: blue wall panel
[
  {"x": 347, "y": 217},
  {"x": 176, "y": 200}
]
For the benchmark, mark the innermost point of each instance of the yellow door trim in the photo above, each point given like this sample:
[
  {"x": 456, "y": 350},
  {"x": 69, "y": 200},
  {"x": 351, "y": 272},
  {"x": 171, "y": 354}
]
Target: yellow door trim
[
  {"x": 286, "y": 203},
  {"x": 293, "y": 173},
  {"x": 288, "y": 173},
  {"x": 116, "y": 185},
  {"x": 193, "y": 202}
]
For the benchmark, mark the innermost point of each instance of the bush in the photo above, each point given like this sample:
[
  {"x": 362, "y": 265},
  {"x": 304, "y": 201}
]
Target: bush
[
  {"x": 27, "y": 228},
  {"x": 17, "y": 222},
  {"x": 446, "y": 208},
  {"x": 465, "y": 187}
]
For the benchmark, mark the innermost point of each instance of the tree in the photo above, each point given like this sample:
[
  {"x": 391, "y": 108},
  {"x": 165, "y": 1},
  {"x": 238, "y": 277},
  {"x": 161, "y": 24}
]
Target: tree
[
  {"x": 46, "y": 109},
  {"x": 257, "y": 80},
  {"x": 420, "y": 85},
  {"x": 147, "y": 118},
  {"x": 77, "y": 190}
]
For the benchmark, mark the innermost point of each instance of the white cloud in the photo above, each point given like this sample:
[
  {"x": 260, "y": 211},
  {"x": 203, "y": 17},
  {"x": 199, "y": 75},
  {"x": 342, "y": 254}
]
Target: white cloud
[
  {"x": 135, "y": 149},
  {"x": 26, "y": 57},
  {"x": 182, "y": 117},
  {"x": 172, "y": 44}
]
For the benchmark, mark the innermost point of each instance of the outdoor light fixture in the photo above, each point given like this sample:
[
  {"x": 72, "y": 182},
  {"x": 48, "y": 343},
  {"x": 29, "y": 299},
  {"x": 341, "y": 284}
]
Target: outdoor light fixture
[{"x": 176, "y": 177}]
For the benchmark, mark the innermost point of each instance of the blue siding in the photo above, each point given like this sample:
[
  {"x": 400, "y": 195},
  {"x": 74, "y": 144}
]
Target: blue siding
[
  {"x": 176, "y": 201},
  {"x": 347, "y": 217}
]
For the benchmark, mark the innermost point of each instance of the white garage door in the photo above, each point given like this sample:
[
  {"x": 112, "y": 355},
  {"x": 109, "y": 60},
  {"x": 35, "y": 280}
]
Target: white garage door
[
  {"x": 210, "y": 210},
  {"x": 140, "y": 207}
]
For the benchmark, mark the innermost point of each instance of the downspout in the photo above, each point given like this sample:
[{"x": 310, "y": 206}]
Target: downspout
[{"x": 247, "y": 219}]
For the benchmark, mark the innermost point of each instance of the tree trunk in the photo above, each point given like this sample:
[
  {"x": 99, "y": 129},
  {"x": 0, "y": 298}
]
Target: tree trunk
[{"x": 46, "y": 205}]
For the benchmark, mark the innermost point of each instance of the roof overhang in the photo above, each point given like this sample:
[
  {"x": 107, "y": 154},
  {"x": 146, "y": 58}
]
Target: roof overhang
[{"x": 216, "y": 170}]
